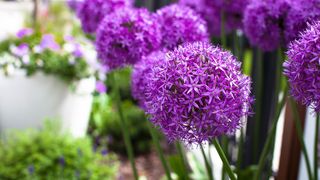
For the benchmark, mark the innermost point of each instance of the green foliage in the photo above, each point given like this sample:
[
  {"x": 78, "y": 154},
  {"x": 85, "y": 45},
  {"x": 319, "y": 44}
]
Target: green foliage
[
  {"x": 178, "y": 167},
  {"x": 44, "y": 154},
  {"x": 105, "y": 121}
]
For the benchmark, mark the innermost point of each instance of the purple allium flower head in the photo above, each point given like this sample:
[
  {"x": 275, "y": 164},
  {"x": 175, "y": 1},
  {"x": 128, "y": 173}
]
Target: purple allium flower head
[
  {"x": 123, "y": 37},
  {"x": 198, "y": 92},
  {"x": 303, "y": 67},
  {"x": 141, "y": 71},
  {"x": 264, "y": 23},
  {"x": 301, "y": 13},
  {"x": 24, "y": 32},
  {"x": 101, "y": 87},
  {"x": 208, "y": 11},
  {"x": 180, "y": 24},
  {"x": 92, "y": 12},
  {"x": 21, "y": 50}
]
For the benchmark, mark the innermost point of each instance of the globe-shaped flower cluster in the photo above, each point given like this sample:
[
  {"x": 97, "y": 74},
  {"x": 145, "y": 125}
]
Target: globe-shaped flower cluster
[
  {"x": 300, "y": 14},
  {"x": 91, "y": 12},
  {"x": 303, "y": 67},
  {"x": 270, "y": 24},
  {"x": 198, "y": 92},
  {"x": 123, "y": 37},
  {"x": 263, "y": 23},
  {"x": 180, "y": 24},
  {"x": 140, "y": 74}
]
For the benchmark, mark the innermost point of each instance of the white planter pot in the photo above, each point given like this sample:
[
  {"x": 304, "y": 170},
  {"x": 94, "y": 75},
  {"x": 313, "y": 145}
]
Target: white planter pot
[{"x": 25, "y": 102}]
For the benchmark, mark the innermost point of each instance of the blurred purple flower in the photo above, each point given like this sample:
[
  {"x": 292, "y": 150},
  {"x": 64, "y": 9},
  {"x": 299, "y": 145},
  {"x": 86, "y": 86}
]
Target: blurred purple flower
[
  {"x": 78, "y": 52},
  {"x": 211, "y": 10},
  {"x": 180, "y": 24},
  {"x": 62, "y": 161},
  {"x": 48, "y": 42},
  {"x": 263, "y": 23},
  {"x": 104, "y": 152},
  {"x": 74, "y": 5},
  {"x": 125, "y": 36},
  {"x": 198, "y": 92},
  {"x": 24, "y": 32},
  {"x": 101, "y": 87},
  {"x": 208, "y": 11},
  {"x": 141, "y": 71},
  {"x": 21, "y": 50},
  {"x": 303, "y": 67},
  {"x": 30, "y": 169},
  {"x": 92, "y": 12},
  {"x": 301, "y": 13}
]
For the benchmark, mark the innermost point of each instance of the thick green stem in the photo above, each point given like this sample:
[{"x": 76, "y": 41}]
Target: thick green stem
[
  {"x": 315, "y": 162},
  {"x": 224, "y": 159},
  {"x": 207, "y": 164},
  {"x": 271, "y": 136},
  {"x": 159, "y": 150},
  {"x": 297, "y": 122},
  {"x": 124, "y": 127},
  {"x": 182, "y": 159},
  {"x": 258, "y": 106}
]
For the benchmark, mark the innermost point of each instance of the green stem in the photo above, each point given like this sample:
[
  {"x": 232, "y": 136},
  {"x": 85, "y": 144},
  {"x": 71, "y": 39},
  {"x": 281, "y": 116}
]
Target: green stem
[
  {"x": 297, "y": 122},
  {"x": 258, "y": 106},
  {"x": 224, "y": 159},
  {"x": 315, "y": 163},
  {"x": 124, "y": 127},
  {"x": 207, "y": 164},
  {"x": 159, "y": 150},
  {"x": 222, "y": 33},
  {"x": 224, "y": 144},
  {"x": 271, "y": 136},
  {"x": 236, "y": 45},
  {"x": 182, "y": 159}
]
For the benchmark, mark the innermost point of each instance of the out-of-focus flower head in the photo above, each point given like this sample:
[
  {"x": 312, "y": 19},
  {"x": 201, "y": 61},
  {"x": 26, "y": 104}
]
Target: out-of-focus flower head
[
  {"x": 301, "y": 13},
  {"x": 180, "y": 24},
  {"x": 47, "y": 42},
  {"x": 208, "y": 11},
  {"x": 197, "y": 92},
  {"x": 24, "y": 32},
  {"x": 92, "y": 12},
  {"x": 303, "y": 67},
  {"x": 123, "y": 37},
  {"x": 101, "y": 87},
  {"x": 74, "y": 5},
  {"x": 211, "y": 10},
  {"x": 21, "y": 50},
  {"x": 264, "y": 23},
  {"x": 141, "y": 71}
]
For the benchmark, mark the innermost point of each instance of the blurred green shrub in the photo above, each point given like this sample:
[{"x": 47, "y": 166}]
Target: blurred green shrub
[
  {"x": 105, "y": 123},
  {"x": 45, "y": 154}
]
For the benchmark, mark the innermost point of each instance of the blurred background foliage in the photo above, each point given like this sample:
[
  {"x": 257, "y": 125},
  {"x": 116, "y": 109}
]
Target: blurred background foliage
[
  {"x": 105, "y": 123},
  {"x": 46, "y": 154}
]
